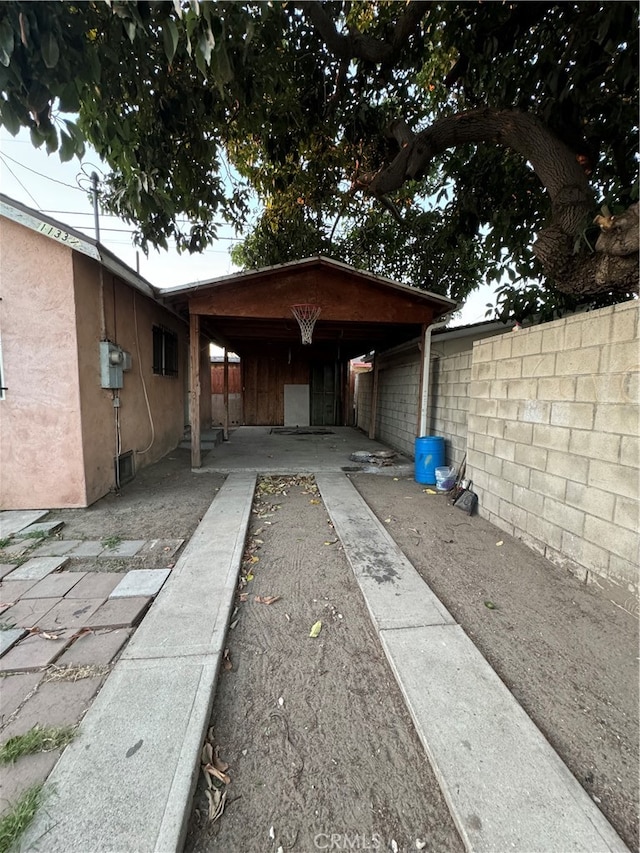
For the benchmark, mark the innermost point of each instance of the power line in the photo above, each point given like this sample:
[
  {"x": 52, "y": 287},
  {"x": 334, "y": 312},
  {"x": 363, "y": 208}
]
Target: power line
[
  {"x": 39, "y": 174},
  {"x": 21, "y": 184}
]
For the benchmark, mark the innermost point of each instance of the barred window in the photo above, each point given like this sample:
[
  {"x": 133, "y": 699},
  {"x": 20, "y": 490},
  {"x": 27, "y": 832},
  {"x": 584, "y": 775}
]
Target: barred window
[{"x": 165, "y": 352}]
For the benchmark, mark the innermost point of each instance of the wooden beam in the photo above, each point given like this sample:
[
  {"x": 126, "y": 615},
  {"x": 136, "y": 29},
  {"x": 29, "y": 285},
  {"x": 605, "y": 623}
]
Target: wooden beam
[
  {"x": 225, "y": 426},
  {"x": 374, "y": 396},
  {"x": 194, "y": 389}
]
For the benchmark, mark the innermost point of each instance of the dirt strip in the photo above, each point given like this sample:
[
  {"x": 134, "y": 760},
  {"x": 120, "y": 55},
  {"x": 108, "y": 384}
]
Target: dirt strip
[
  {"x": 322, "y": 752},
  {"x": 568, "y": 655}
]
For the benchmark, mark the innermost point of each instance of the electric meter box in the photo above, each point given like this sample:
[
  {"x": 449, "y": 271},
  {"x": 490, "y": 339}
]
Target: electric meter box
[{"x": 111, "y": 365}]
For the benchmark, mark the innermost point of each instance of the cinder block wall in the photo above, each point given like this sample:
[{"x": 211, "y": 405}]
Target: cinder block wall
[
  {"x": 553, "y": 441},
  {"x": 449, "y": 399},
  {"x": 362, "y": 393},
  {"x": 397, "y": 412}
]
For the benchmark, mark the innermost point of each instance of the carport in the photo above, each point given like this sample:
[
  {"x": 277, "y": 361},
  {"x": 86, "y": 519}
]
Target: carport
[{"x": 286, "y": 382}]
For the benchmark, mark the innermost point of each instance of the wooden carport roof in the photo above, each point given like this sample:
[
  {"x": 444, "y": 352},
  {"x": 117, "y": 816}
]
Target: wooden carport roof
[{"x": 360, "y": 311}]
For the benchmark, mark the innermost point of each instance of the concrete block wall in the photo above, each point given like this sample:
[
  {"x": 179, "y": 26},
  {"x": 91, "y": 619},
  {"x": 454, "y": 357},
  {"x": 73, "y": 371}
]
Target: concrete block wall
[
  {"x": 553, "y": 442},
  {"x": 397, "y": 412},
  {"x": 448, "y": 411}
]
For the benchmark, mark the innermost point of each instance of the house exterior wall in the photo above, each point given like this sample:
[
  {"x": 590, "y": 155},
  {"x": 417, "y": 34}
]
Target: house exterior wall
[
  {"x": 129, "y": 317},
  {"x": 40, "y": 421},
  {"x": 554, "y": 441}
]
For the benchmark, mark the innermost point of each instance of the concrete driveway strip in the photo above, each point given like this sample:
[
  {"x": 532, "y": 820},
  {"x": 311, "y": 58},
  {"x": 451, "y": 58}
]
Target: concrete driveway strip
[
  {"x": 127, "y": 780},
  {"x": 506, "y": 787}
]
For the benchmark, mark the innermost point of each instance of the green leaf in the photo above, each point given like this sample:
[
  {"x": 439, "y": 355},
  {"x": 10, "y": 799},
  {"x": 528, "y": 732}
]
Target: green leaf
[
  {"x": 6, "y": 42},
  {"x": 50, "y": 50},
  {"x": 170, "y": 38},
  {"x": 9, "y": 118},
  {"x": 315, "y": 629},
  {"x": 67, "y": 147},
  {"x": 130, "y": 28},
  {"x": 51, "y": 139}
]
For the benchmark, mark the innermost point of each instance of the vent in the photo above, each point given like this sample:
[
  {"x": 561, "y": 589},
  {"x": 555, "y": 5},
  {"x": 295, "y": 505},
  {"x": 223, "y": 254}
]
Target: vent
[{"x": 124, "y": 468}]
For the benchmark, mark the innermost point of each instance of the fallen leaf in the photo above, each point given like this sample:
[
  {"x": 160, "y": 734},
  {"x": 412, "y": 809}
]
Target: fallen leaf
[
  {"x": 331, "y": 542},
  {"x": 244, "y": 596},
  {"x": 250, "y": 576},
  {"x": 498, "y": 544},
  {"x": 254, "y": 559},
  {"x": 49, "y": 636},
  {"x": 395, "y": 479},
  {"x": 226, "y": 661},
  {"x": 213, "y": 770},
  {"x": 430, "y": 491},
  {"x": 218, "y": 763},
  {"x": 490, "y": 605},
  {"x": 316, "y": 628},
  {"x": 233, "y": 624},
  {"x": 267, "y": 599},
  {"x": 314, "y": 501},
  {"x": 387, "y": 521},
  {"x": 217, "y": 800},
  {"x": 207, "y": 754}
]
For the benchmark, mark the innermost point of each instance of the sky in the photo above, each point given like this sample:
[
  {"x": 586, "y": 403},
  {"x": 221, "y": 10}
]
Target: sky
[{"x": 60, "y": 190}]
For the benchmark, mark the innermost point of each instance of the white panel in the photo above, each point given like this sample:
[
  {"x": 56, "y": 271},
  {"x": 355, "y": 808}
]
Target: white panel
[{"x": 296, "y": 405}]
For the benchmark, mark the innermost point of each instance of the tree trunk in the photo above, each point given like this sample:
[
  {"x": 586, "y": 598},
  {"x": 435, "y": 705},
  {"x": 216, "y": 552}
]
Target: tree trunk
[{"x": 565, "y": 257}]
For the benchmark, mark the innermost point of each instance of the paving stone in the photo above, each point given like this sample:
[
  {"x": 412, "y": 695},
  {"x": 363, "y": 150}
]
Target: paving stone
[
  {"x": 119, "y": 613},
  {"x": 48, "y": 528},
  {"x": 95, "y": 585},
  {"x": 6, "y": 568},
  {"x": 9, "y": 638},
  {"x": 55, "y": 703},
  {"x": 29, "y": 770},
  {"x": 38, "y": 568},
  {"x": 12, "y": 520},
  {"x": 164, "y": 549},
  {"x": 144, "y": 582},
  {"x": 88, "y": 548},
  {"x": 34, "y": 652},
  {"x": 16, "y": 549},
  {"x": 128, "y": 548},
  {"x": 14, "y": 689},
  {"x": 54, "y": 586},
  {"x": 56, "y": 547},
  {"x": 97, "y": 647},
  {"x": 70, "y": 613},
  {"x": 28, "y": 612},
  {"x": 11, "y": 591}
]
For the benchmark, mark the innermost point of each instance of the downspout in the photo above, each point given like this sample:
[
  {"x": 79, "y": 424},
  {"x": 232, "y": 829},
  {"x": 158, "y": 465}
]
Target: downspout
[{"x": 426, "y": 368}]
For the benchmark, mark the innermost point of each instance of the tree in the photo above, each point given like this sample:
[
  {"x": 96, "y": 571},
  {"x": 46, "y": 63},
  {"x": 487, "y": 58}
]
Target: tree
[{"x": 478, "y": 129}]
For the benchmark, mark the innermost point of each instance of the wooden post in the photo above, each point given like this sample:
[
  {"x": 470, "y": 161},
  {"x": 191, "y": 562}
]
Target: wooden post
[
  {"x": 374, "y": 396},
  {"x": 194, "y": 395},
  {"x": 424, "y": 377},
  {"x": 225, "y": 425}
]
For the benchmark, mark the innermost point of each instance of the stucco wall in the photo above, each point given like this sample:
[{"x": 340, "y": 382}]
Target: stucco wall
[
  {"x": 149, "y": 431},
  {"x": 40, "y": 428},
  {"x": 554, "y": 441}
]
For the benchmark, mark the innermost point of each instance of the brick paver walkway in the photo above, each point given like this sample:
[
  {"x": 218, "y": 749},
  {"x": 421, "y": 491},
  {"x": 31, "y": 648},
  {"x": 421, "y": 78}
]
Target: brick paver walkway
[{"x": 60, "y": 632}]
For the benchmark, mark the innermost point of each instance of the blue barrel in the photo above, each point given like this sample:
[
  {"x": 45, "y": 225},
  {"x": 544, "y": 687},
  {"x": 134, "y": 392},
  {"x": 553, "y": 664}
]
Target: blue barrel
[{"x": 429, "y": 455}]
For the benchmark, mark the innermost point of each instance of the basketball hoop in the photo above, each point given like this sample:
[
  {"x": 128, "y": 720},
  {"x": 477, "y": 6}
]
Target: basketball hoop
[{"x": 306, "y": 315}]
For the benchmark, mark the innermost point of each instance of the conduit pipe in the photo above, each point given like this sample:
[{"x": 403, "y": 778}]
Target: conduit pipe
[{"x": 426, "y": 369}]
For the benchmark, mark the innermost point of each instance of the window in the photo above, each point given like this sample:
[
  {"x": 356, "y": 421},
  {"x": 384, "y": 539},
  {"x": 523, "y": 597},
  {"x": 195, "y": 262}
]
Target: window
[{"x": 165, "y": 351}]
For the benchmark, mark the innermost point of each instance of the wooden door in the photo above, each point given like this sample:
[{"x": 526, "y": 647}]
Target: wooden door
[{"x": 325, "y": 394}]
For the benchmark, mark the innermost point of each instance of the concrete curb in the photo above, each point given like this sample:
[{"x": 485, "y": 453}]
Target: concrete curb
[
  {"x": 127, "y": 780},
  {"x": 506, "y": 787}
]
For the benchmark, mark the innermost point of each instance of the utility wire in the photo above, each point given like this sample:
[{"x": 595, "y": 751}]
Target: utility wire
[
  {"x": 8, "y": 167},
  {"x": 39, "y": 174}
]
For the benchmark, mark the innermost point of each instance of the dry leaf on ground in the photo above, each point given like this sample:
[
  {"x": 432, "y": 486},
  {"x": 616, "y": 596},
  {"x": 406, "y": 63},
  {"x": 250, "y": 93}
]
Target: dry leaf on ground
[
  {"x": 267, "y": 599},
  {"x": 316, "y": 628}
]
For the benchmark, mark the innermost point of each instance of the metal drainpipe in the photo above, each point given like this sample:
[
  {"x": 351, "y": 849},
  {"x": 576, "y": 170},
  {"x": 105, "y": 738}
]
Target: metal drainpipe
[{"x": 426, "y": 369}]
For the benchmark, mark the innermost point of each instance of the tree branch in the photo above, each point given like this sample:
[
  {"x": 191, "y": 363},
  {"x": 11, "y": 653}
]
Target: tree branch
[{"x": 357, "y": 45}]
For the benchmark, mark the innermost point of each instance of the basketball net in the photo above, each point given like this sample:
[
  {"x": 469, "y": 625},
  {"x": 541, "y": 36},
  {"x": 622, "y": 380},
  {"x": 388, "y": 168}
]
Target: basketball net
[{"x": 306, "y": 315}]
